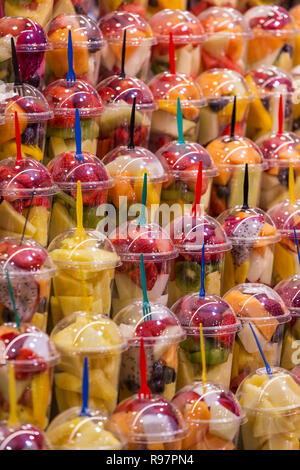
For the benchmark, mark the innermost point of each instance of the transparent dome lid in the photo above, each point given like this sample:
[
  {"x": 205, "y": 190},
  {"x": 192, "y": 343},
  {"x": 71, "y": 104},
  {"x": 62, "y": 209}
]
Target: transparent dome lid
[
  {"x": 160, "y": 325},
  {"x": 286, "y": 216},
  {"x": 29, "y": 35},
  {"x": 149, "y": 421},
  {"x": 216, "y": 83},
  {"x": 93, "y": 251},
  {"x": 289, "y": 291},
  {"x": 64, "y": 100},
  {"x": 270, "y": 19},
  {"x": 185, "y": 27},
  {"x": 295, "y": 14},
  {"x": 22, "y": 437},
  {"x": 271, "y": 80},
  {"x": 27, "y": 101},
  {"x": 131, "y": 239},
  {"x": 279, "y": 149},
  {"x": 138, "y": 31},
  {"x": 87, "y": 333},
  {"x": 221, "y": 21},
  {"x": 127, "y": 163},
  {"x": 70, "y": 431},
  {"x": 230, "y": 151}
]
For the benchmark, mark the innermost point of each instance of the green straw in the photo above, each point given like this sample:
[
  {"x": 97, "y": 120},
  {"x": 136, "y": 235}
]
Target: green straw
[
  {"x": 13, "y": 301},
  {"x": 146, "y": 305},
  {"x": 179, "y": 123},
  {"x": 142, "y": 219}
]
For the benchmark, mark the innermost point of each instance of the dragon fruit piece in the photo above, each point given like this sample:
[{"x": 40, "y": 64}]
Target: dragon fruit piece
[
  {"x": 30, "y": 60},
  {"x": 26, "y": 295},
  {"x": 271, "y": 305},
  {"x": 230, "y": 224},
  {"x": 248, "y": 228},
  {"x": 240, "y": 253}
]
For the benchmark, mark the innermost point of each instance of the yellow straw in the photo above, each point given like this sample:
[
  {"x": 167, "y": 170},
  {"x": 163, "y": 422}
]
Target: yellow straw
[
  {"x": 80, "y": 232},
  {"x": 204, "y": 376},
  {"x": 291, "y": 183},
  {"x": 13, "y": 415}
]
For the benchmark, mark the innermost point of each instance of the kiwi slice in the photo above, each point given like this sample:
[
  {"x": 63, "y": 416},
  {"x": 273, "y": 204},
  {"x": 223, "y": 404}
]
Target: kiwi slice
[
  {"x": 89, "y": 130},
  {"x": 213, "y": 356},
  {"x": 188, "y": 276}
]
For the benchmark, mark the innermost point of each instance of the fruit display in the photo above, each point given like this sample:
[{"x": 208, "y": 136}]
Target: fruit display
[
  {"x": 296, "y": 100},
  {"x": 166, "y": 88},
  {"x": 295, "y": 14},
  {"x": 22, "y": 437},
  {"x": 40, "y": 11},
  {"x": 213, "y": 416},
  {"x": 80, "y": 335},
  {"x": 64, "y": 100},
  {"x": 230, "y": 154},
  {"x": 117, "y": 94},
  {"x": 70, "y": 7},
  {"x": 264, "y": 308},
  {"x": 272, "y": 406},
  {"x": 219, "y": 325},
  {"x": 85, "y": 273},
  {"x": 33, "y": 357},
  {"x": 219, "y": 86}
]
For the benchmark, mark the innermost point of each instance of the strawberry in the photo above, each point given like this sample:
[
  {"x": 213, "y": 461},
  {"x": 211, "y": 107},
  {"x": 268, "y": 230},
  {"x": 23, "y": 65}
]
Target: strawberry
[
  {"x": 107, "y": 94},
  {"x": 27, "y": 257},
  {"x": 8, "y": 337},
  {"x": 143, "y": 244},
  {"x": 150, "y": 328},
  {"x": 35, "y": 364},
  {"x": 227, "y": 339},
  {"x": 151, "y": 275}
]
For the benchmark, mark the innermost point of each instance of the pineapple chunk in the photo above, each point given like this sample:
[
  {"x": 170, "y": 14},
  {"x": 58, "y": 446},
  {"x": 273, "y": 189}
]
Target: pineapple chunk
[
  {"x": 12, "y": 221},
  {"x": 39, "y": 218},
  {"x": 60, "y": 220}
]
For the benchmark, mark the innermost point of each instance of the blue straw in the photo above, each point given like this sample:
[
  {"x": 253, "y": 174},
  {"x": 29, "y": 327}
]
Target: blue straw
[
  {"x": 297, "y": 243},
  {"x": 202, "y": 288},
  {"x": 142, "y": 219},
  {"x": 179, "y": 123},
  {"x": 79, "y": 157},
  {"x": 85, "y": 389},
  {"x": 268, "y": 368},
  {"x": 71, "y": 77}
]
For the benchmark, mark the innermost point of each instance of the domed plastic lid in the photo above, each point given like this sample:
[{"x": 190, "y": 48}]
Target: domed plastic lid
[
  {"x": 250, "y": 226},
  {"x": 216, "y": 83},
  {"x": 286, "y": 216},
  {"x": 160, "y": 325},
  {"x": 219, "y": 22},
  {"x": 84, "y": 333},
  {"x": 280, "y": 149},
  {"x": 149, "y": 421},
  {"x": 22, "y": 437},
  {"x": 93, "y": 253},
  {"x": 184, "y": 26},
  {"x": 295, "y": 14},
  {"x": 271, "y": 19},
  {"x": 119, "y": 91},
  {"x": 233, "y": 151},
  {"x": 29, "y": 35},
  {"x": 131, "y": 239},
  {"x": 64, "y": 100},
  {"x": 66, "y": 170},
  {"x": 85, "y": 32},
  {"x": 189, "y": 232},
  {"x": 271, "y": 80},
  {"x": 26, "y": 100},
  {"x": 289, "y": 291},
  {"x": 138, "y": 31},
  {"x": 123, "y": 162}
]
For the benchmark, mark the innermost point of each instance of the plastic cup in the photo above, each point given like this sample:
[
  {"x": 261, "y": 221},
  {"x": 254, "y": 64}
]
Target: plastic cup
[
  {"x": 188, "y": 36},
  {"x": 61, "y": 129},
  {"x": 40, "y": 11},
  {"x": 22, "y": 437},
  {"x": 198, "y": 6},
  {"x": 139, "y": 41},
  {"x": 296, "y": 100},
  {"x": 98, "y": 338},
  {"x": 295, "y": 14},
  {"x": 130, "y": 240},
  {"x": 219, "y": 86},
  {"x": 264, "y": 308},
  {"x": 87, "y": 43},
  {"x": 33, "y": 356},
  {"x": 95, "y": 182},
  {"x": 268, "y": 83},
  {"x": 213, "y": 416},
  {"x": 188, "y": 233},
  {"x": 150, "y": 423},
  {"x": 117, "y": 94},
  {"x": 80, "y": 7},
  {"x": 133, "y": 6},
  {"x": 272, "y": 408},
  {"x": 166, "y": 88}
]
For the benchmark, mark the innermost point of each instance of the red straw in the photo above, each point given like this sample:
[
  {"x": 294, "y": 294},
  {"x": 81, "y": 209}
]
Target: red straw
[
  {"x": 18, "y": 138},
  {"x": 172, "y": 55},
  {"x": 198, "y": 190},
  {"x": 144, "y": 391},
  {"x": 280, "y": 116}
]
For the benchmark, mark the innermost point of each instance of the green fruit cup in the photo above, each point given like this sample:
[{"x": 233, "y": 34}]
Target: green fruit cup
[{"x": 40, "y": 11}]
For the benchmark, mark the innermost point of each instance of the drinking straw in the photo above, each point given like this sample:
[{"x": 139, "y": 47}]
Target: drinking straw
[
  {"x": 198, "y": 192},
  {"x": 246, "y": 188},
  {"x": 203, "y": 359},
  {"x": 179, "y": 123},
  {"x": 79, "y": 157},
  {"x": 132, "y": 123},
  {"x": 122, "y": 72},
  {"x": 85, "y": 389},
  {"x": 268, "y": 368},
  {"x": 172, "y": 55},
  {"x": 202, "y": 288},
  {"x": 146, "y": 306},
  {"x": 142, "y": 218}
]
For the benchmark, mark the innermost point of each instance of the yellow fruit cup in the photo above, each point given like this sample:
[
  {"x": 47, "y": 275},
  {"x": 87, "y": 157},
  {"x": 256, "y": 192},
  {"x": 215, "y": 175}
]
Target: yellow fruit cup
[{"x": 40, "y": 11}]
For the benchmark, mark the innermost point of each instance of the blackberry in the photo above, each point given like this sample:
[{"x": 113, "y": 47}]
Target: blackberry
[
  {"x": 169, "y": 375},
  {"x": 223, "y": 192},
  {"x": 7, "y": 315},
  {"x": 266, "y": 103},
  {"x": 29, "y": 135},
  {"x": 132, "y": 386},
  {"x": 93, "y": 45},
  {"x": 79, "y": 10},
  {"x": 34, "y": 80},
  {"x": 157, "y": 386},
  {"x": 283, "y": 177},
  {"x": 218, "y": 104}
]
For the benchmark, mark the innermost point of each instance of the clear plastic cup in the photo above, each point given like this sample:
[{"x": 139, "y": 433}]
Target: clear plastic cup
[
  {"x": 40, "y": 11},
  {"x": 213, "y": 416},
  {"x": 98, "y": 338},
  {"x": 61, "y": 129},
  {"x": 183, "y": 162},
  {"x": 188, "y": 36},
  {"x": 295, "y": 14},
  {"x": 219, "y": 86},
  {"x": 117, "y": 94},
  {"x": 66, "y": 170},
  {"x": 167, "y": 88},
  {"x": 79, "y": 7},
  {"x": 230, "y": 154},
  {"x": 188, "y": 233},
  {"x": 162, "y": 333},
  {"x": 264, "y": 308},
  {"x": 33, "y": 356},
  {"x": 133, "y": 6},
  {"x": 33, "y": 113},
  {"x": 87, "y": 43},
  {"x": 150, "y": 423},
  {"x": 296, "y": 100},
  {"x": 22, "y": 437},
  {"x": 272, "y": 408},
  {"x": 139, "y": 41},
  {"x": 85, "y": 273},
  {"x": 198, "y": 6},
  {"x": 253, "y": 236},
  {"x": 267, "y": 84},
  {"x": 227, "y": 35}
]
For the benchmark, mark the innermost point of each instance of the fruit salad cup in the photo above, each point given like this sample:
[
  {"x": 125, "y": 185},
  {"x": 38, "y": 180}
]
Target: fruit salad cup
[
  {"x": 85, "y": 273},
  {"x": 139, "y": 41},
  {"x": 117, "y": 94},
  {"x": 166, "y": 88},
  {"x": 40, "y": 11},
  {"x": 296, "y": 100},
  {"x": 33, "y": 357},
  {"x": 188, "y": 233},
  {"x": 66, "y": 170},
  {"x": 272, "y": 407},
  {"x": 213, "y": 416},
  {"x": 219, "y": 86},
  {"x": 198, "y": 6},
  {"x": 71, "y": 7},
  {"x": 295, "y": 14},
  {"x": 230, "y": 154},
  {"x": 98, "y": 338},
  {"x": 264, "y": 308},
  {"x": 22, "y": 437},
  {"x": 87, "y": 43},
  {"x": 61, "y": 129},
  {"x": 162, "y": 333},
  {"x": 188, "y": 35}
]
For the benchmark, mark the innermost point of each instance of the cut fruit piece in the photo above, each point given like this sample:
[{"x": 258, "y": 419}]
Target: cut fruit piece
[
  {"x": 241, "y": 272},
  {"x": 57, "y": 146},
  {"x": 283, "y": 264},
  {"x": 165, "y": 123},
  {"x": 229, "y": 270},
  {"x": 213, "y": 283},
  {"x": 12, "y": 221},
  {"x": 39, "y": 218},
  {"x": 112, "y": 119},
  {"x": 208, "y": 126},
  {"x": 60, "y": 220},
  {"x": 236, "y": 186},
  {"x": 188, "y": 276}
]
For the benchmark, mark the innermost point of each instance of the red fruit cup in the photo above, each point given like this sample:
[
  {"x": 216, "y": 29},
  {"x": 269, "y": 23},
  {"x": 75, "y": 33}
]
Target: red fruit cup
[
  {"x": 61, "y": 129},
  {"x": 66, "y": 170},
  {"x": 22, "y": 437},
  {"x": 117, "y": 94},
  {"x": 40, "y": 11},
  {"x": 139, "y": 41},
  {"x": 81, "y": 7},
  {"x": 87, "y": 43},
  {"x": 213, "y": 416},
  {"x": 33, "y": 357},
  {"x": 30, "y": 273}
]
